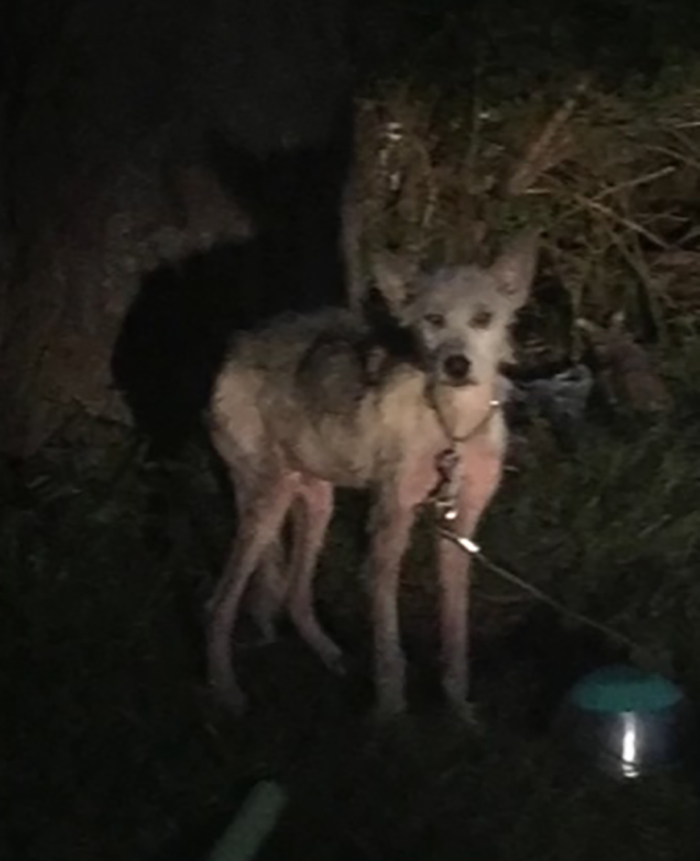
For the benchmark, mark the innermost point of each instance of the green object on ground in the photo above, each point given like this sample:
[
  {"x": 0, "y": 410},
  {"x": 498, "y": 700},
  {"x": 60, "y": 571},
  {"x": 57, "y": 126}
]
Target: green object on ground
[
  {"x": 254, "y": 822},
  {"x": 622, "y": 688}
]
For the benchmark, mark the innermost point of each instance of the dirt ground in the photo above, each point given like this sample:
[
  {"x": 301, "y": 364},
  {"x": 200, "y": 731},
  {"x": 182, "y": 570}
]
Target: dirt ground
[{"x": 115, "y": 750}]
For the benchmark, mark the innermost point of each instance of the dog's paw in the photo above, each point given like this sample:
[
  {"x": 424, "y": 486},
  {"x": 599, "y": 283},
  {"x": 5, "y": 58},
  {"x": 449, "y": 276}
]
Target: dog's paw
[
  {"x": 337, "y": 665},
  {"x": 329, "y": 653},
  {"x": 468, "y": 715},
  {"x": 236, "y": 703},
  {"x": 266, "y": 634},
  {"x": 229, "y": 696},
  {"x": 388, "y": 710},
  {"x": 333, "y": 660}
]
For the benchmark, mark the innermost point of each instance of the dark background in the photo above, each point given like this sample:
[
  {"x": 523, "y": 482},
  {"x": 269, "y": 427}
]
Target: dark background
[{"x": 170, "y": 171}]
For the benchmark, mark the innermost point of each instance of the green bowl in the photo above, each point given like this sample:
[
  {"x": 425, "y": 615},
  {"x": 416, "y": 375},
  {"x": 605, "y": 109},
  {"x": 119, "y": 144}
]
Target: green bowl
[{"x": 627, "y": 721}]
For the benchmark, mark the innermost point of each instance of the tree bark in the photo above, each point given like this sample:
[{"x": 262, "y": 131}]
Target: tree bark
[{"x": 139, "y": 137}]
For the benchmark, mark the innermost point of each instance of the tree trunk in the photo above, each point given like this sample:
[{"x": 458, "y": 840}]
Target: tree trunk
[{"x": 181, "y": 168}]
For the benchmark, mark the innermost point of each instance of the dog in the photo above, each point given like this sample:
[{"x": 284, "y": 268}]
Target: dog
[{"x": 293, "y": 416}]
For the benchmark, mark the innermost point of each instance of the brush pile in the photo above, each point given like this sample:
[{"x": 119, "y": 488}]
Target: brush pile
[{"x": 612, "y": 178}]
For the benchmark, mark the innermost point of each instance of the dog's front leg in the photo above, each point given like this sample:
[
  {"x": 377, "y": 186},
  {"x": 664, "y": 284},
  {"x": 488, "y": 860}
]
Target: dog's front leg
[
  {"x": 390, "y": 528},
  {"x": 479, "y": 479}
]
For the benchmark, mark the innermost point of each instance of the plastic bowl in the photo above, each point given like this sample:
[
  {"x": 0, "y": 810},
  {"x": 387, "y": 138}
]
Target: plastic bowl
[{"x": 626, "y": 721}]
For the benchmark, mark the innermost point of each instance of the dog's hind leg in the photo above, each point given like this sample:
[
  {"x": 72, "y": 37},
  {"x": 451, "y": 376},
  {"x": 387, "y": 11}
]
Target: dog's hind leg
[
  {"x": 311, "y": 515},
  {"x": 478, "y": 484},
  {"x": 261, "y": 515},
  {"x": 271, "y": 587}
]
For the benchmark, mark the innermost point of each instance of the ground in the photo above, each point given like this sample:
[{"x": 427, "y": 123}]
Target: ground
[{"x": 115, "y": 750}]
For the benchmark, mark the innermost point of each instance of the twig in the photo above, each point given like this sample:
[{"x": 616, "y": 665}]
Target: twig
[
  {"x": 476, "y": 112},
  {"x": 646, "y": 297},
  {"x": 688, "y": 124},
  {"x": 673, "y": 153},
  {"x": 637, "y": 181},
  {"x": 613, "y": 189},
  {"x": 533, "y": 162},
  {"x": 600, "y": 208},
  {"x": 684, "y": 139}
]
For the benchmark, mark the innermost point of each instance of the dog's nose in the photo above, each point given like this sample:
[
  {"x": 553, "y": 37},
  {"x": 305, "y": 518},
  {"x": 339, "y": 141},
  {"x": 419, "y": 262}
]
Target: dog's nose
[{"x": 457, "y": 368}]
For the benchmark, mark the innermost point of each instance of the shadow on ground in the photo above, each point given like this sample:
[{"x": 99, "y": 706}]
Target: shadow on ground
[{"x": 118, "y": 752}]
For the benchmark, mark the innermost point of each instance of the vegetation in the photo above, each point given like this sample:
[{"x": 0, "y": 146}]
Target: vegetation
[
  {"x": 118, "y": 752},
  {"x": 115, "y": 751}
]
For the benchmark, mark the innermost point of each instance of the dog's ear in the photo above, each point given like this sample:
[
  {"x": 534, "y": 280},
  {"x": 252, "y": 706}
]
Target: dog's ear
[
  {"x": 515, "y": 267},
  {"x": 394, "y": 276}
]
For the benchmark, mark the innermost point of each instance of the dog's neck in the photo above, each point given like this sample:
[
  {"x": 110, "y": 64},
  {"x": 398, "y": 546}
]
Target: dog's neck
[{"x": 465, "y": 411}]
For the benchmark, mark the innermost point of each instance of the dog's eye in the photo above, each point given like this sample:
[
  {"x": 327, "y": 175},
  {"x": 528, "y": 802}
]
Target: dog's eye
[
  {"x": 482, "y": 319},
  {"x": 436, "y": 320}
]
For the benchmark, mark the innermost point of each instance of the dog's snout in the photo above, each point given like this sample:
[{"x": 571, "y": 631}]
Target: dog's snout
[{"x": 457, "y": 368}]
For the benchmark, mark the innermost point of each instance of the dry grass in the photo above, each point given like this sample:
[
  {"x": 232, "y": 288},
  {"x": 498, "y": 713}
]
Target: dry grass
[
  {"x": 118, "y": 753},
  {"x": 612, "y": 178}
]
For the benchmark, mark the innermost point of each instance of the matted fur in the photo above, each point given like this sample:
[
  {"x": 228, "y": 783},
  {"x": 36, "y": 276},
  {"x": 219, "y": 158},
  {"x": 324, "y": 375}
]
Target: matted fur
[{"x": 293, "y": 415}]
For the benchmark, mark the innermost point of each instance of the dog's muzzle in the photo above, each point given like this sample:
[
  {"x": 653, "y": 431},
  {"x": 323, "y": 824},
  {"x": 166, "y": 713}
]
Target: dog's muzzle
[{"x": 457, "y": 369}]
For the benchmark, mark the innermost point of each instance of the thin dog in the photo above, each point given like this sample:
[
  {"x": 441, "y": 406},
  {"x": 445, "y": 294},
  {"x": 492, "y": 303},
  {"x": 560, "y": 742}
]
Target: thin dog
[{"x": 293, "y": 417}]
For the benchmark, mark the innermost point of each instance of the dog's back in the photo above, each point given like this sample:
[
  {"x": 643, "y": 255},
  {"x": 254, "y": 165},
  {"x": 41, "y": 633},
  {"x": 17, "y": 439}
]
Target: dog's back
[{"x": 299, "y": 388}]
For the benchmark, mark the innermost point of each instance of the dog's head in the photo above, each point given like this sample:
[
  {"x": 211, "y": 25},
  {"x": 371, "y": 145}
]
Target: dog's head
[{"x": 460, "y": 317}]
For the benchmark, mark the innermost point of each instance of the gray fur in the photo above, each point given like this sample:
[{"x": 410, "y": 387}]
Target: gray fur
[{"x": 293, "y": 415}]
